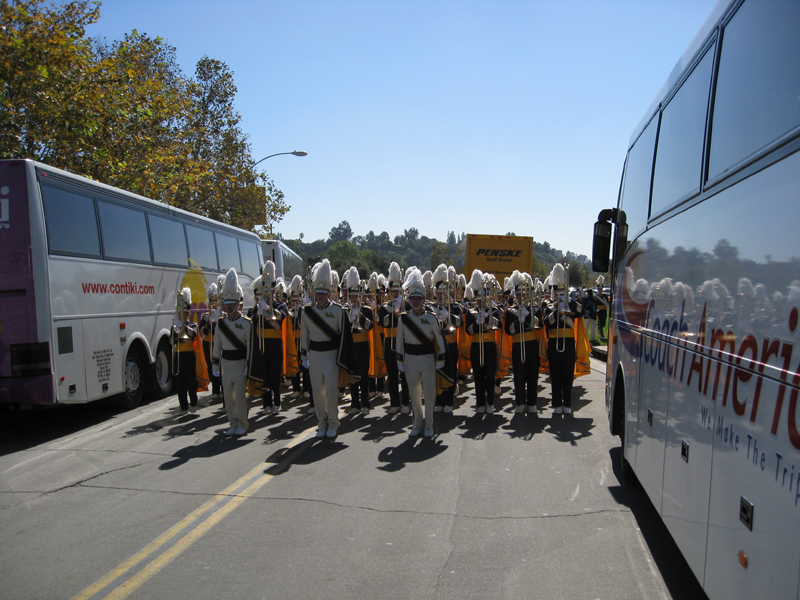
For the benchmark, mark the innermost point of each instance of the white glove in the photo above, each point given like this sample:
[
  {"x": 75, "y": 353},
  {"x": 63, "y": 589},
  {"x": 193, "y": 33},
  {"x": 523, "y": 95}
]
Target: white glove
[
  {"x": 262, "y": 307},
  {"x": 442, "y": 315},
  {"x": 523, "y": 313},
  {"x": 372, "y": 304},
  {"x": 304, "y": 362},
  {"x": 401, "y": 367},
  {"x": 215, "y": 373},
  {"x": 217, "y": 313},
  {"x": 397, "y": 303},
  {"x": 177, "y": 323},
  {"x": 353, "y": 315}
]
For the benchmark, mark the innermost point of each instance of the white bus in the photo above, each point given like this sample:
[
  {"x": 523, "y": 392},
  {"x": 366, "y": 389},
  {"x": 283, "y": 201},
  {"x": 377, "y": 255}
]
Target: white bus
[
  {"x": 287, "y": 262},
  {"x": 703, "y": 380},
  {"x": 88, "y": 281}
]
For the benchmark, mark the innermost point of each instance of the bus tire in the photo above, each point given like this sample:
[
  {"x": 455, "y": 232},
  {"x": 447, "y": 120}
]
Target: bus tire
[
  {"x": 134, "y": 380},
  {"x": 162, "y": 371}
]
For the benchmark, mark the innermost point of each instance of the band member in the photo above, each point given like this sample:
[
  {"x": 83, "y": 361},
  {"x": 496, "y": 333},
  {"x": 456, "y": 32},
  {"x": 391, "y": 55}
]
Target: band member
[
  {"x": 183, "y": 335},
  {"x": 420, "y": 352},
  {"x": 481, "y": 323},
  {"x": 603, "y": 302},
  {"x": 300, "y": 382},
  {"x": 389, "y": 317},
  {"x": 448, "y": 313},
  {"x": 323, "y": 327},
  {"x": 360, "y": 320},
  {"x": 559, "y": 319},
  {"x": 232, "y": 352},
  {"x": 522, "y": 324},
  {"x": 208, "y": 327},
  {"x": 267, "y": 316}
]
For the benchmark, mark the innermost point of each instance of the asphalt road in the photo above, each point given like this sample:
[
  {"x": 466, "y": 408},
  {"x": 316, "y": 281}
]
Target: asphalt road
[{"x": 95, "y": 502}]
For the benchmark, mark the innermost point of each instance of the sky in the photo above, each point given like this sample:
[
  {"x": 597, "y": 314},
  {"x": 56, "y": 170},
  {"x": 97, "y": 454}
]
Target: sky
[{"x": 469, "y": 116}]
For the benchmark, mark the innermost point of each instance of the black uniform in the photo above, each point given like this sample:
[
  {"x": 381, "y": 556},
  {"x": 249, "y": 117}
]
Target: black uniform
[
  {"x": 524, "y": 336},
  {"x": 270, "y": 347},
  {"x": 561, "y": 351},
  {"x": 208, "y": 328},
  {"x": 186, "y": 379},
  {"x": 398, "y": 388},
  {"x": 359, "y": 392},
  {"x": 483, "y": 371},
  {"x": 450, "y": 331}
]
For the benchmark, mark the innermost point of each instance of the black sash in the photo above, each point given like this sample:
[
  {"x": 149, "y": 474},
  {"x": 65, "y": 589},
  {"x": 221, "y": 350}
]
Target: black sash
[
  {"x": 226, "y": 330},
  {"x": 319, "y": 321},
  {"x": 424, "y": 340}
]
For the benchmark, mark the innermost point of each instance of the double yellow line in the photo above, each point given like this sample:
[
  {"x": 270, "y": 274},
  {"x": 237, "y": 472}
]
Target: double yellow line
[{"x": 139, "y": 568}]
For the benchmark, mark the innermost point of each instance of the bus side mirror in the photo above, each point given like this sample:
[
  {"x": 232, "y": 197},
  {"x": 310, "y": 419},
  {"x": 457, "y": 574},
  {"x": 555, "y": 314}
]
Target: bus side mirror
[{"x": 601, "y": 246}]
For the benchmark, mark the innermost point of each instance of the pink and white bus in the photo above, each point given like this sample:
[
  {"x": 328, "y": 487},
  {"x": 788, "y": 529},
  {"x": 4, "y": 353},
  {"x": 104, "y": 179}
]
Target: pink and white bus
[
  {"x": 88, "y": 282},
  {"x": 703, "y": 378}
]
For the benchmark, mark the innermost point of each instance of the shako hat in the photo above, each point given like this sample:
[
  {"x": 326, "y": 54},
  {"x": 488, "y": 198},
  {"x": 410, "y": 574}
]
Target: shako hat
[
  {"x": 394, "y": 276},
  {"x": 231, "y": 292},
  {"x": 414, "y": 285},
  {"x": 185, "y": 299},
  {"x": 321, "y": 278},
  {"x": 296, "y": 287},
  {"x": 440, "y": 276}
]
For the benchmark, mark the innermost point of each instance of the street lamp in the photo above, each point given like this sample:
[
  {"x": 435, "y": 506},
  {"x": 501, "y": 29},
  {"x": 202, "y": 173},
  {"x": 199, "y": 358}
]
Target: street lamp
[{"x": 295, "y": 153}]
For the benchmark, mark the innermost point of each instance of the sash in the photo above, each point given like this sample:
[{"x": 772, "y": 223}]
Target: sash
[
  {"x": 225, "y": 329},
  {"x": 423, "y": 339},
  {"x": 319, "y": 321}
]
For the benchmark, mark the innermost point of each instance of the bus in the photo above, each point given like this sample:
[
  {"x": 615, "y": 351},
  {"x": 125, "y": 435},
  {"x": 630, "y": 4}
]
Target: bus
[
  {"x": 702, "y": 379},
  {"x": 287, "y": 262},
  {"x": 89, "y": 277}
]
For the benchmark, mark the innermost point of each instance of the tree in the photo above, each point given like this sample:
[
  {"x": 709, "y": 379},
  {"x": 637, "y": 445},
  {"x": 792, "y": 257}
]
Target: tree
[
  {"x": 341, "y": 232},
  {"x": 440, "y": 253}
]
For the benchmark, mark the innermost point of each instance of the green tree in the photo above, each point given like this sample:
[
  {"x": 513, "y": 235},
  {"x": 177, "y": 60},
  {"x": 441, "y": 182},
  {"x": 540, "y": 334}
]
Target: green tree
[
  {"x": 440, "y": 253},
  {"x": 341, "y": 232}
]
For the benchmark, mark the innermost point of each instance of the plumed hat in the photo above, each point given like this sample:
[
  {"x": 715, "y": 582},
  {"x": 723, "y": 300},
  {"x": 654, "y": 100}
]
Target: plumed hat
[
  {"x": 558, "y": 276},
  {"x": 334, "y": 280},
  {"x": 280, "y": 289},
  {"x": 462, "y": 281},
  {"x": 212, "y": 290},
  {"x": 382, "y": 282},
  {"x": 440, "y": 276},
  {"x": 476, "y": 282},
  {"x": 185, "y": 299},
  {"x": 427, "y": 279},
  {"x": 394, "y": 276},
  {"x": 268, "y": 273},
  {"x": 372, "y": 284},
  {"x": 351, "y": 280},
  {"x": 256, "y": 284},
  {"x": 517, "y": 279},
  {"x": 601, "y": 281},
  {"x": 296, "y": 287},
  {"x": 321, "y": 277},
  {"x": 231, "y": 292},
  {"x": 414, "y": 285}
]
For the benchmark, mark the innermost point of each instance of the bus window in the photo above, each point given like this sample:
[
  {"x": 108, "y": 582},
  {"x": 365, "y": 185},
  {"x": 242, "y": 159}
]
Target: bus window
[
  {"x": 756, "y": 99},
  {"x": 124, "y": 233},
  {"x": 71, "y": 223},
  {"x": 638, "y": 173},
  {"x": 201, "y": 247},
  {"x": 169, "y": 242},
  {"x": 679, "y": 156},
  {"x": 251, "y": 265},
  {"x": 228, "y": 252}
]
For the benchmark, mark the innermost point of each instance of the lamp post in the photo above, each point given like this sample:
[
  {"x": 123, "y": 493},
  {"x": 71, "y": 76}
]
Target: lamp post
[{"x": 295, "y": 153}]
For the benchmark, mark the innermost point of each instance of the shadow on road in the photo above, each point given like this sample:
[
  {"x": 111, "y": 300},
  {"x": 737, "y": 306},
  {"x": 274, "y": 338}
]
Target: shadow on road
[{"x": 678, "y": 576}]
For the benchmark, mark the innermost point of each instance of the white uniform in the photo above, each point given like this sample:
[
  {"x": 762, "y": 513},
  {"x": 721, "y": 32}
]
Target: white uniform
[
  {"x": 232, "y": 359},
  {"x": 321, "y": 350},
  {"x": 420, "y": 359}
]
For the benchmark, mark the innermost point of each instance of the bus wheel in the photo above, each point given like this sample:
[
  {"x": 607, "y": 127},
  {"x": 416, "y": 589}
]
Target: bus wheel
[
  {"x": 162, "y": 381},
  {"x": 134, "y": 380}
]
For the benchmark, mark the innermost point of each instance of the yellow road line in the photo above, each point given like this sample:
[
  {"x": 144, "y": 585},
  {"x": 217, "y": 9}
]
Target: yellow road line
[{"x": 163, "y": 559}]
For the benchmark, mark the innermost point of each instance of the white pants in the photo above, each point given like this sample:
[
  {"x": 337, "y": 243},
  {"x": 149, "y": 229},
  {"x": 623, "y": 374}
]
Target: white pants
[
  {"x": 421, "y": 378},
  {"x": 324, "y": 375},
  {"x": 591, "y": 325},
  {"x": 234, "y": 387}
]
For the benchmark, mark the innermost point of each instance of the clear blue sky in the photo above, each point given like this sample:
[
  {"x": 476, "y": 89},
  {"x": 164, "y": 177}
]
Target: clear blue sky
[{"x": 466, "y": 116}]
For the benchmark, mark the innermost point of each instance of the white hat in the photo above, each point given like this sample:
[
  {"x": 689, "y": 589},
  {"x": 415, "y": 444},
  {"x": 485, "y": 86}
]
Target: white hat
[
  {"x": 372, "y": 284},
  {"x": 476, "y": 282},
  {"x": 296, "y": 287},
  {"x": 185, "y": 299},
  {"x": 321, "y": 277},
  {"x": 394, "y": 276},
  {"x": 269, "y": 272},
  {"x": 280, "y": 289},
  {"x": 427, "y": 279},
  {"x": 440, "y": 276},
  {"x": 381, "y": 282},
  {"x": 231, "y": 292},
  {"x": 414, "y": 285},
  {"x": 351, "y": 280},
  {"x": 558, "y": 277}
]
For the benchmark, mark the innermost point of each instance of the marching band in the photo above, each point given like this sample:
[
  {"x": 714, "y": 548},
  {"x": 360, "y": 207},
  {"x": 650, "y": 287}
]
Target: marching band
[{"x": 424, "y": 333}]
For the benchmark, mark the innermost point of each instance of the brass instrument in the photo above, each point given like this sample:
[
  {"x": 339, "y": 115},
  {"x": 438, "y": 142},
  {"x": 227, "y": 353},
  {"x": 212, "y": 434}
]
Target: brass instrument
[
  {"x": 524, "y": 297},
  {"x": 266, "y": 295},
  {"x": 562, "y": 308},
  {"x": 176, "y": 361}
]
